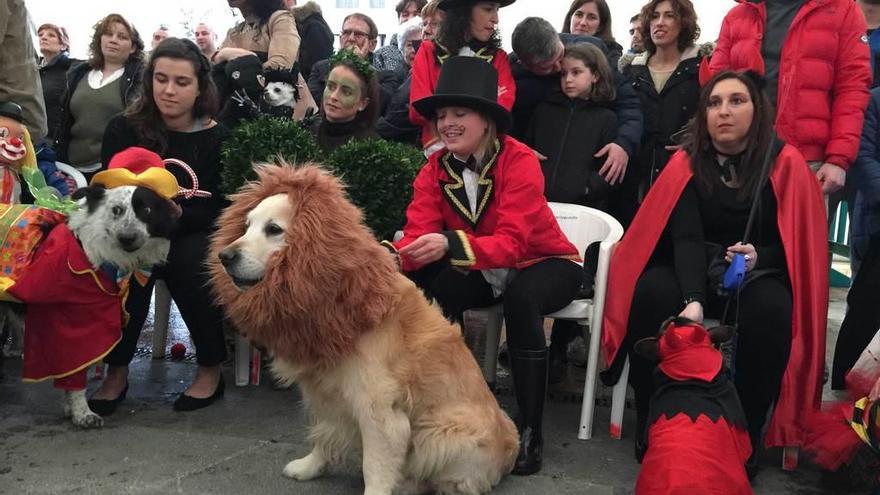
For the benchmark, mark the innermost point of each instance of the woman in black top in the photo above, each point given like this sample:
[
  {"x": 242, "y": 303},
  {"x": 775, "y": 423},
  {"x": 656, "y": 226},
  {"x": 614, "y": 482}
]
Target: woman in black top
[
  {"x": 349, "y": 107},
  {"x": 173, "y": 117},
  {"x": 718, "y": 174},
  {"x": 54, "y": 47}
]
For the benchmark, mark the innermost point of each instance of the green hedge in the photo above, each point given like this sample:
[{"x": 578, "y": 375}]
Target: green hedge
[
  {"x": 379, "y": 176},
  {"x": 264, "y": 140}
]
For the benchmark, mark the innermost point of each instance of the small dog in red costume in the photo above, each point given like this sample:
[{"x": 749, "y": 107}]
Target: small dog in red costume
[
  {"x": 697, "y": 437},
  {"x": 73, "y": 281}
]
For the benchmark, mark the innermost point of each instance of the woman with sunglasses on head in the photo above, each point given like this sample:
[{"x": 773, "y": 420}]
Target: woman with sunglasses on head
[
  {"x": 469, "y": 28},
  {"x": 672, "y": 260},
  {"x": 174, "y": 118}
]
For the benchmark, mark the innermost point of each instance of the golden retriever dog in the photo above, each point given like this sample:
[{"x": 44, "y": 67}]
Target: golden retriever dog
[{"x": 381, "y": 371}]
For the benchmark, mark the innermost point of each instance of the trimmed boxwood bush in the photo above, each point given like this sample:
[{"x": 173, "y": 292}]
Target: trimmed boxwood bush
[
  {"x": 379, "y": 176},
  {"x": 264, "y": 139}
]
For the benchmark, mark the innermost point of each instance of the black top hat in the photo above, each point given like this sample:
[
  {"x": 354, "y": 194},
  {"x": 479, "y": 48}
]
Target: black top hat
[
  {"x": 11, "y": 110},
  {"x": 468, "y": 82},
  {"x": 451, "y": 4}
]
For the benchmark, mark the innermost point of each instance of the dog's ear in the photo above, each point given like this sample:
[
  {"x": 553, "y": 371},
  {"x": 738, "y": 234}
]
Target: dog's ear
[
  {"x": 92, "y": 194},
  {"x": 721, "y": 334},
  {"x": 648, "y": 348}
]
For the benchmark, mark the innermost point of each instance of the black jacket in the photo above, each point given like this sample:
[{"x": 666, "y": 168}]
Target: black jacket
[
  {"x": 569, "y": 132},
  {"x": 53, "y": 76},
  {"x": 394, "y": 124},
  {"x": 130, "y": 88},
  {"x": 316, "y": 37},
  {"x": 532, "y": 89},
  {"x": 665, "y": 113},
  {"x": 388, "y": 83}
]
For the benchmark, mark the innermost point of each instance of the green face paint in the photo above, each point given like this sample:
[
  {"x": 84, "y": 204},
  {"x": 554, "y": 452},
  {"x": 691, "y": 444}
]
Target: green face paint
[{"x": 345, "y": 87}]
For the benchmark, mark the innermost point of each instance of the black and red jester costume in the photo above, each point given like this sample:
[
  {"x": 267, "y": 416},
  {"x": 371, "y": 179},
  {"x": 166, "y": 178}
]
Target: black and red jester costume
[{"x": 697, "y": 441}]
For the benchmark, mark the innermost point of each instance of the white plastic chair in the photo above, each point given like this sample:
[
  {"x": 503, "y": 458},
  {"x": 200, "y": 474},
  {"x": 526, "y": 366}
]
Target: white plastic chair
[
  {"x": 583, "y": 226},
  {"x": 73, "y": 173},
  {"x": 247, "y": 359}
]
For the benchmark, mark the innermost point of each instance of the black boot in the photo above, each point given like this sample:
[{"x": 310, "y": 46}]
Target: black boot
[{"x": 529, "y": 370}]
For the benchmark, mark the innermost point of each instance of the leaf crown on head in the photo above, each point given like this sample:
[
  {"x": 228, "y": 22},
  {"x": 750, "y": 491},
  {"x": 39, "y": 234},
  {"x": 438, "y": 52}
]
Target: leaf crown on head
[{"x": 347, "y": 55}]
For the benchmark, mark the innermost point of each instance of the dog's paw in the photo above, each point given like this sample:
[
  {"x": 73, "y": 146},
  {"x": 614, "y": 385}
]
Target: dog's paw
[
  {"x": 88, "y": 420},
  {"x": 303, "y": 469}
]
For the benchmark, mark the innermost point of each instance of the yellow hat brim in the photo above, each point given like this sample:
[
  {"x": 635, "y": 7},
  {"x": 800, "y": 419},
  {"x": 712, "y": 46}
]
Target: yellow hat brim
[{"x": 161, "y": 181}]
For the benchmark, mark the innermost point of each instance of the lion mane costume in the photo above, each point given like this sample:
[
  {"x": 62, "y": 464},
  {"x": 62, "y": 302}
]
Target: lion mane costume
[{"x": 378, "y": 366}]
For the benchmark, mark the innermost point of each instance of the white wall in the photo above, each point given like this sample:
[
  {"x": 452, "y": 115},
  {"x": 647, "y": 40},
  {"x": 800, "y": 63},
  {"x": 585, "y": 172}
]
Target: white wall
[{"x": 78, "y": 16}]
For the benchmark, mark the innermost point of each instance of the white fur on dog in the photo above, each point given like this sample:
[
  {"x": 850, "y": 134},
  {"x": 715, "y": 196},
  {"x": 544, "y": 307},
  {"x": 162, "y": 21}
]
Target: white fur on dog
[
  {"x": 279, "y": 94},
  {"x": 99, "y": 233},
  {"x": 77, "y": 409}
]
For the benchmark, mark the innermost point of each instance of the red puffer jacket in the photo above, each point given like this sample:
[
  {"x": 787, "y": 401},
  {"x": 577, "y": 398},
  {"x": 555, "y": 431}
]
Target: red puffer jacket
[{"x": 824, "y": 73}]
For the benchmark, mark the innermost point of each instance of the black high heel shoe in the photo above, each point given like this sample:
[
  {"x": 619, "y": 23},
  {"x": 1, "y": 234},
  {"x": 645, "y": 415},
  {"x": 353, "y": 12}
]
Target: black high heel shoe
[
  {"x": 106, "y": 407},
  {"x": 187, "y": 403}
]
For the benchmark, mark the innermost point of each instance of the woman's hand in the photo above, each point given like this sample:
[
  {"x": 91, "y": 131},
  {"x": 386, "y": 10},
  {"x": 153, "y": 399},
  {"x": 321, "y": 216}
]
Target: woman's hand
[
  {"x": 426, "y": 249},
  {"x": 614, "y": 167},
  {"x": 874, "y": 394},
  {"x": 693, "y": 311},
  {"x": 229, "y": 53},
  {"x": 751, "y": 255}
]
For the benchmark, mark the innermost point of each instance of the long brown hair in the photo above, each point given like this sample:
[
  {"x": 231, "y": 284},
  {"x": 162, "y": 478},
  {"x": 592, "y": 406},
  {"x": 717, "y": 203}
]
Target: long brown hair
[
  {"x": 758, "y": 139},
  {"x": 96, "y": 56},
  {"x": 143, "y": 115},
  {"x": 687, "y": 17},
  {"x": 604, "y": 31}
]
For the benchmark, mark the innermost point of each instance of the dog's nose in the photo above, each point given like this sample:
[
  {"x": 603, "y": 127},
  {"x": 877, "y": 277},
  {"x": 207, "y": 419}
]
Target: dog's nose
[
  {"x": 228, "y": 257},
  {"x": 126, "y": 240}
]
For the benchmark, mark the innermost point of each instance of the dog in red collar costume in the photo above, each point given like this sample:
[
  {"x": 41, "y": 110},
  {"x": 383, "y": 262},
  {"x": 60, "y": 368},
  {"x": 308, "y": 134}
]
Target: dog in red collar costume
[
  {"x": 696, "y": 438},
  {"x": 76, "y": 280}
]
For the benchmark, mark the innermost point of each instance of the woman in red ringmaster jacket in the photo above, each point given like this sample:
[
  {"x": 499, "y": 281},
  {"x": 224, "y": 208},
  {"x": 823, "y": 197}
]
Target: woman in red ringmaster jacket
[
  {"x": 469, "y": 28},
  {"x": 818, "y": 71},
  {"x": 479, "y": 231}
]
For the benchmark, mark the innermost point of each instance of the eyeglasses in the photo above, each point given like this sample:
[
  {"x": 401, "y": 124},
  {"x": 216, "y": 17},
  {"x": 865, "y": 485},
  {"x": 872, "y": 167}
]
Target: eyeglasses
[{"x": 351, "y": 33}]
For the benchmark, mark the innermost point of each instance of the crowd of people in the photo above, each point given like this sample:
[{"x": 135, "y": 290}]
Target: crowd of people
[{"x": 701, "y": 151}]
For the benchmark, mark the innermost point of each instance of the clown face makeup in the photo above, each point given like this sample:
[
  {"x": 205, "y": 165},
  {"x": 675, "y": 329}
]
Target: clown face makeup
[
  {"x": 12, "y": 146},
  {"x": 343, "y": 95}
]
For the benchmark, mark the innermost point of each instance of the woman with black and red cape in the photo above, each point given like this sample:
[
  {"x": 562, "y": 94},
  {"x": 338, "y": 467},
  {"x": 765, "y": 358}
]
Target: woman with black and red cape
[{"x": 688, "y": 229}]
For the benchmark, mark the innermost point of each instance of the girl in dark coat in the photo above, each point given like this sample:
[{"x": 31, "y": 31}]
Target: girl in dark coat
[{"x": 569, "y": 128}]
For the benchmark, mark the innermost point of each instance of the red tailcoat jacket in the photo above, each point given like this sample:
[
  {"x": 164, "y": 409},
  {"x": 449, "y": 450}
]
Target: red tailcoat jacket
[
  {"x": 802, "y": 227},
  {"x": 74, "y": 313},
  {"x": 824, "y": 73},
  {"x": 513, "y": 226},
  {"x": 426, "y": 71}
]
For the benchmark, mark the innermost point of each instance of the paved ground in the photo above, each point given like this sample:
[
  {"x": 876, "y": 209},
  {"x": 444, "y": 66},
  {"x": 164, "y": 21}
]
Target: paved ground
[{"x": 240, "y": 444}]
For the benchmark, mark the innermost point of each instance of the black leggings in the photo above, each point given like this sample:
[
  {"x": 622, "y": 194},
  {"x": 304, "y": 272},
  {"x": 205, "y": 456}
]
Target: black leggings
[
  {"x": 187, "y": 279},
  {"x": 542, "y": 288},
  {"x": 763, "y": 342}
]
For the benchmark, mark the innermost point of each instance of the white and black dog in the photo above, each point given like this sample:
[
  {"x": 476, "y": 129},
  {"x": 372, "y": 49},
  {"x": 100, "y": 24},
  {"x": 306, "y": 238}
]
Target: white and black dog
[{"x": 125, "y": 228}]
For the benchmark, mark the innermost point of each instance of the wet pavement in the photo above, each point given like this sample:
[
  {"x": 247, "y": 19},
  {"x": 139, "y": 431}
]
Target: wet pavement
[{"x": 240, "y": 444}]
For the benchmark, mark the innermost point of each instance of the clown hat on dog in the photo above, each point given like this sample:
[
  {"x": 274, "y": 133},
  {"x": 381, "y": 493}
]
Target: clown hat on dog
[
  {"x": 136, "y": 166},
  {"x": 467, "y": 82}
]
